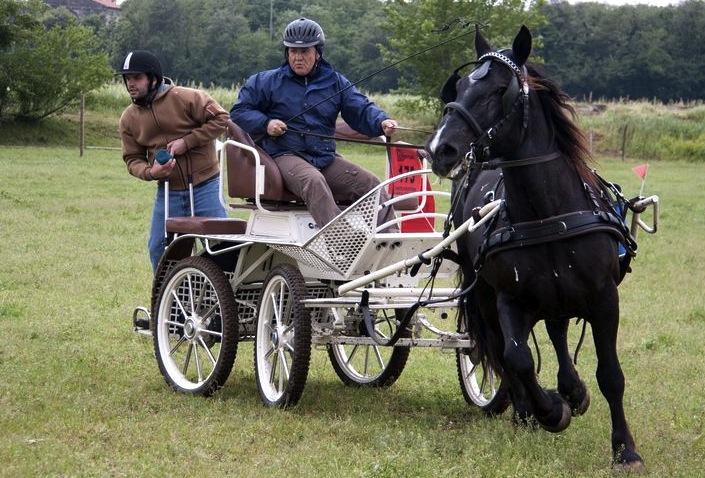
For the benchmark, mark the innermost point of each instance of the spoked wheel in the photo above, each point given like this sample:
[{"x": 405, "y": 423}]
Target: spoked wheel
[
  {"x": 480, "y": 384},
  {"x": 371, "y": 365},
  {"x": 283, "y": 338},
  {"x": 196, "y": 328}
]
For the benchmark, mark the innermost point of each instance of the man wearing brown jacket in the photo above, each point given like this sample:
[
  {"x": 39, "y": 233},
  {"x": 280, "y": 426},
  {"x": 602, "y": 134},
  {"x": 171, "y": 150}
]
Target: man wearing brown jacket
[{"x": 168, "y": 135}]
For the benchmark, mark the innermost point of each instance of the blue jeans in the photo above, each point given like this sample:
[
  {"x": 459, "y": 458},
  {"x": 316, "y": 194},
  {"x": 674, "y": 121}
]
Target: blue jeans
[{"x": 206, "y": 202}]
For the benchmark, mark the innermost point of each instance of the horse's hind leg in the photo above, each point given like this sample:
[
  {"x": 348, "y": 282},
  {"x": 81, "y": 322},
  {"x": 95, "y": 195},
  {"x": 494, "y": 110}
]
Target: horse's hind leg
[
  {"x": 610, "y": 379},
  {"x": 571, "y": 388}
]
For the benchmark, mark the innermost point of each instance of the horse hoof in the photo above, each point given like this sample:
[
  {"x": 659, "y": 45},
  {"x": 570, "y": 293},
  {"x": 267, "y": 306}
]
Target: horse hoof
[
  {"x": 525, "y": 421},
  {"x": 628, "y": 461},
  {"x": 583, "y": 406},
  {"x": 636, "y": 467},
  {"x": 564, "y": 419}
]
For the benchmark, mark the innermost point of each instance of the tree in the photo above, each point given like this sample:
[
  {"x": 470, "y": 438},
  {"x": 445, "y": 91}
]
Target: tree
[
  {"x": 222, "y": 42},
  {"x": 416, "y": 25},
  {"x": 47, "y": 62}
]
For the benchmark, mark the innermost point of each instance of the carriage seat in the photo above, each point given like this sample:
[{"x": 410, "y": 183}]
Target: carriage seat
[
  {"x": 241, "y": 183},
  {"x": 205, "y": 225},
  {"x": 241, "y": 171},
  {"x": 241, "y": 167}
]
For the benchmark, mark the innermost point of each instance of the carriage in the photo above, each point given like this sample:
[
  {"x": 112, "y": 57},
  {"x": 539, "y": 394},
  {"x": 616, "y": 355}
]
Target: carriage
[
  {"x": 546, "y": 239},
  {"x": 276, "y": 279}
]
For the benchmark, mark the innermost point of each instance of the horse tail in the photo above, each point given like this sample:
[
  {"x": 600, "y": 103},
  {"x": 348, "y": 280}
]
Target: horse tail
[{"x": 488, "y": 343}]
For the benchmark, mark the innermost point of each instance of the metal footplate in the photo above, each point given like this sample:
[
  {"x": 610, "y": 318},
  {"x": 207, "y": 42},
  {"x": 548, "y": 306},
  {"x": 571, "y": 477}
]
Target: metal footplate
[{"x": 141, "y": 320}]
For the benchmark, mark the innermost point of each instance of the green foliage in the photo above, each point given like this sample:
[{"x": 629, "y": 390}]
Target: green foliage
[
  {"x": 46, "y": 65},
  {"x": 593, "y": 49},
  {"x": 221, "y": 42},
  {"x": 417, "y": 25},
  {"x": 635, "y": 52}
]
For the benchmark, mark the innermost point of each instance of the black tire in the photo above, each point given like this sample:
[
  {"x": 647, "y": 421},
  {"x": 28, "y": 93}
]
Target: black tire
[
  {"x": 371, "y": 365},
  {"x": 282, "y": 350},
  {"x": 480, "y": 384},
  {"x": 195, "y": 330}
]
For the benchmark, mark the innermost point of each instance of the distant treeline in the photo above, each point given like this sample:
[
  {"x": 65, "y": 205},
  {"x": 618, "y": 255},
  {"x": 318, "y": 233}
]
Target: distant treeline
[
  {"x": 626, "y": 52},
  {"x": 594, "y": 50}
]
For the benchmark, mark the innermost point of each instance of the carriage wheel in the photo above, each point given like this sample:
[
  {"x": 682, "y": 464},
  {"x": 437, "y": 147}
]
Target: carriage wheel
[
  {"x": 480, "y": 384},
  {"x": 283, "y": 338},
  {"x": 196, "y": 328},
  {"x": 371, "y": 365}
]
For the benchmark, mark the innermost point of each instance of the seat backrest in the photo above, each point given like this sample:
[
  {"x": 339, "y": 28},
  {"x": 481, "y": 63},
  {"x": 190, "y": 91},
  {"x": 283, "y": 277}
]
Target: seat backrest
[{"x": 241, "y": 169}]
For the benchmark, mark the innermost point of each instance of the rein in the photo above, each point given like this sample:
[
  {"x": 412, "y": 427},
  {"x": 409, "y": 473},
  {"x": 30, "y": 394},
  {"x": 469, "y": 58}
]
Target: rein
[{"x": 372, "y": 142}]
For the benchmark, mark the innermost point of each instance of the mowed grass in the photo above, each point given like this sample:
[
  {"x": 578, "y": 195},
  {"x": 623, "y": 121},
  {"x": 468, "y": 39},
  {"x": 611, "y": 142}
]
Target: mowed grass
[{"x": 81, "y": 394}]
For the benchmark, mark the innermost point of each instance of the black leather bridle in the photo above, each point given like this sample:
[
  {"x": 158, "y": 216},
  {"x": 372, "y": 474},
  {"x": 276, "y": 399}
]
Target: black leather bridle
[{"x": 515, "y": 98}]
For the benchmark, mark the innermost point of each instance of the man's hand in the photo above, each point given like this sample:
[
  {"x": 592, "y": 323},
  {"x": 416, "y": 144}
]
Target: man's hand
[
  {"x": 161, "y": 171},
  {"x": 276, "y": 127},
  {"x": 176, "y": 147},
  {"x": 389, "y": 126}
]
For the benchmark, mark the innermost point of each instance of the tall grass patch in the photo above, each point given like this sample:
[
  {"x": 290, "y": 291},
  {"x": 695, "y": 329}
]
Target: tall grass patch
[
  {"x": 648, "y": 130},
  {"x": 639, "y": 130}
]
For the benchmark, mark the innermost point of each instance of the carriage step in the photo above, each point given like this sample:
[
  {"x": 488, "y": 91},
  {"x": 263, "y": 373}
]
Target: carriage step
[{"x": 140, "y": 321}]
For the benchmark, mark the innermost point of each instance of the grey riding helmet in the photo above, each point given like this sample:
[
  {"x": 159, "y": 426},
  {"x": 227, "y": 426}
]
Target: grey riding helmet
[{"x": 303, "y": 33}]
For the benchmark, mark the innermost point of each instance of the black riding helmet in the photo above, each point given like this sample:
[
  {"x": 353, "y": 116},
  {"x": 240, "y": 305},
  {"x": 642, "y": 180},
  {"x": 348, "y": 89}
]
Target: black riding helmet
[{"x": 143, "y": 61}]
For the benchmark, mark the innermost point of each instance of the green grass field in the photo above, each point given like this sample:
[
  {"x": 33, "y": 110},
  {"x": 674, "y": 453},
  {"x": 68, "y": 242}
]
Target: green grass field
[{"x": 81, "y": 395}]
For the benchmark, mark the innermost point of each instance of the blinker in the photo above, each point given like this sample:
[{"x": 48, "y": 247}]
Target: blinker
[
  {"x": 481, "y": 71},
  {"x": 448, "y": 91}
]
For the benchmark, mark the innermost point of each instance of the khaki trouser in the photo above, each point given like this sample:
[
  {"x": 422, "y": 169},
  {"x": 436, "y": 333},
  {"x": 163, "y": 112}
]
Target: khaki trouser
[{"x": 341, "y": 181}]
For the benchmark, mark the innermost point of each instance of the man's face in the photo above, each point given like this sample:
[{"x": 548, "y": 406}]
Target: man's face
[
  {"x": 302, "y": 60},
  {"x": 137, "y": 85}
]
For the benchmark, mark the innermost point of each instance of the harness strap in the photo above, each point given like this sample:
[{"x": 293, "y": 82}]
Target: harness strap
[
  {"x": 466, "y": 115},
  {"x": 546, "y": 230},
  {"x": 513, "y": 163}
]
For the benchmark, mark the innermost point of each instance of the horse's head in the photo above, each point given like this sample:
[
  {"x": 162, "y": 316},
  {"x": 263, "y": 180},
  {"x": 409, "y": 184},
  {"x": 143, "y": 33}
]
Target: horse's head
[{"x": 486, "y": 111}]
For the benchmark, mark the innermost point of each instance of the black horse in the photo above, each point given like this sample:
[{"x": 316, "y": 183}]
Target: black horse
[{"x": 552, "y": 252}]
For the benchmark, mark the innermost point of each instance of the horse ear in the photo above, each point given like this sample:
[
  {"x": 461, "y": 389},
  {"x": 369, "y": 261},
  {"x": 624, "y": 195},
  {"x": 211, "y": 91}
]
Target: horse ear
[
  {"x": 481, "y": 45},
  {"x": 522, "y": 45}
]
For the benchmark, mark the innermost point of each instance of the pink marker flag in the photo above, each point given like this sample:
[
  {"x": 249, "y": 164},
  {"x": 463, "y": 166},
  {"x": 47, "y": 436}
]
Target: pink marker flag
[{"x": 641, "y": 171}]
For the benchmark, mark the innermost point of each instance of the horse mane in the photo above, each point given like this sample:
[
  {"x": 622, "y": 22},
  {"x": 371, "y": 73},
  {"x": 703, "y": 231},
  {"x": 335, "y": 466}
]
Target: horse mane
[{"x": 571, "y": 140}]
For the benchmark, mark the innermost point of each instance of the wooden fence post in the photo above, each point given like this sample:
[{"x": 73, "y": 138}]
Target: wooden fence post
[{"x": 81, "y": 129}]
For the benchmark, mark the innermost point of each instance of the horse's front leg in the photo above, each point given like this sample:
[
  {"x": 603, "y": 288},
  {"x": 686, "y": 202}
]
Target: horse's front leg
[
  {"x": 548, "y": 408},
  {"x": 571, "y": 388},
  {"x": 610, "y": 378}
]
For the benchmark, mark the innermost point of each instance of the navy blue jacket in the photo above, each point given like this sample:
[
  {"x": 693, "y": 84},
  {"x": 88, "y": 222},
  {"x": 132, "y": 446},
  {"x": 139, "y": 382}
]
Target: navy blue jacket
[{"x": 281, "y": 94}]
